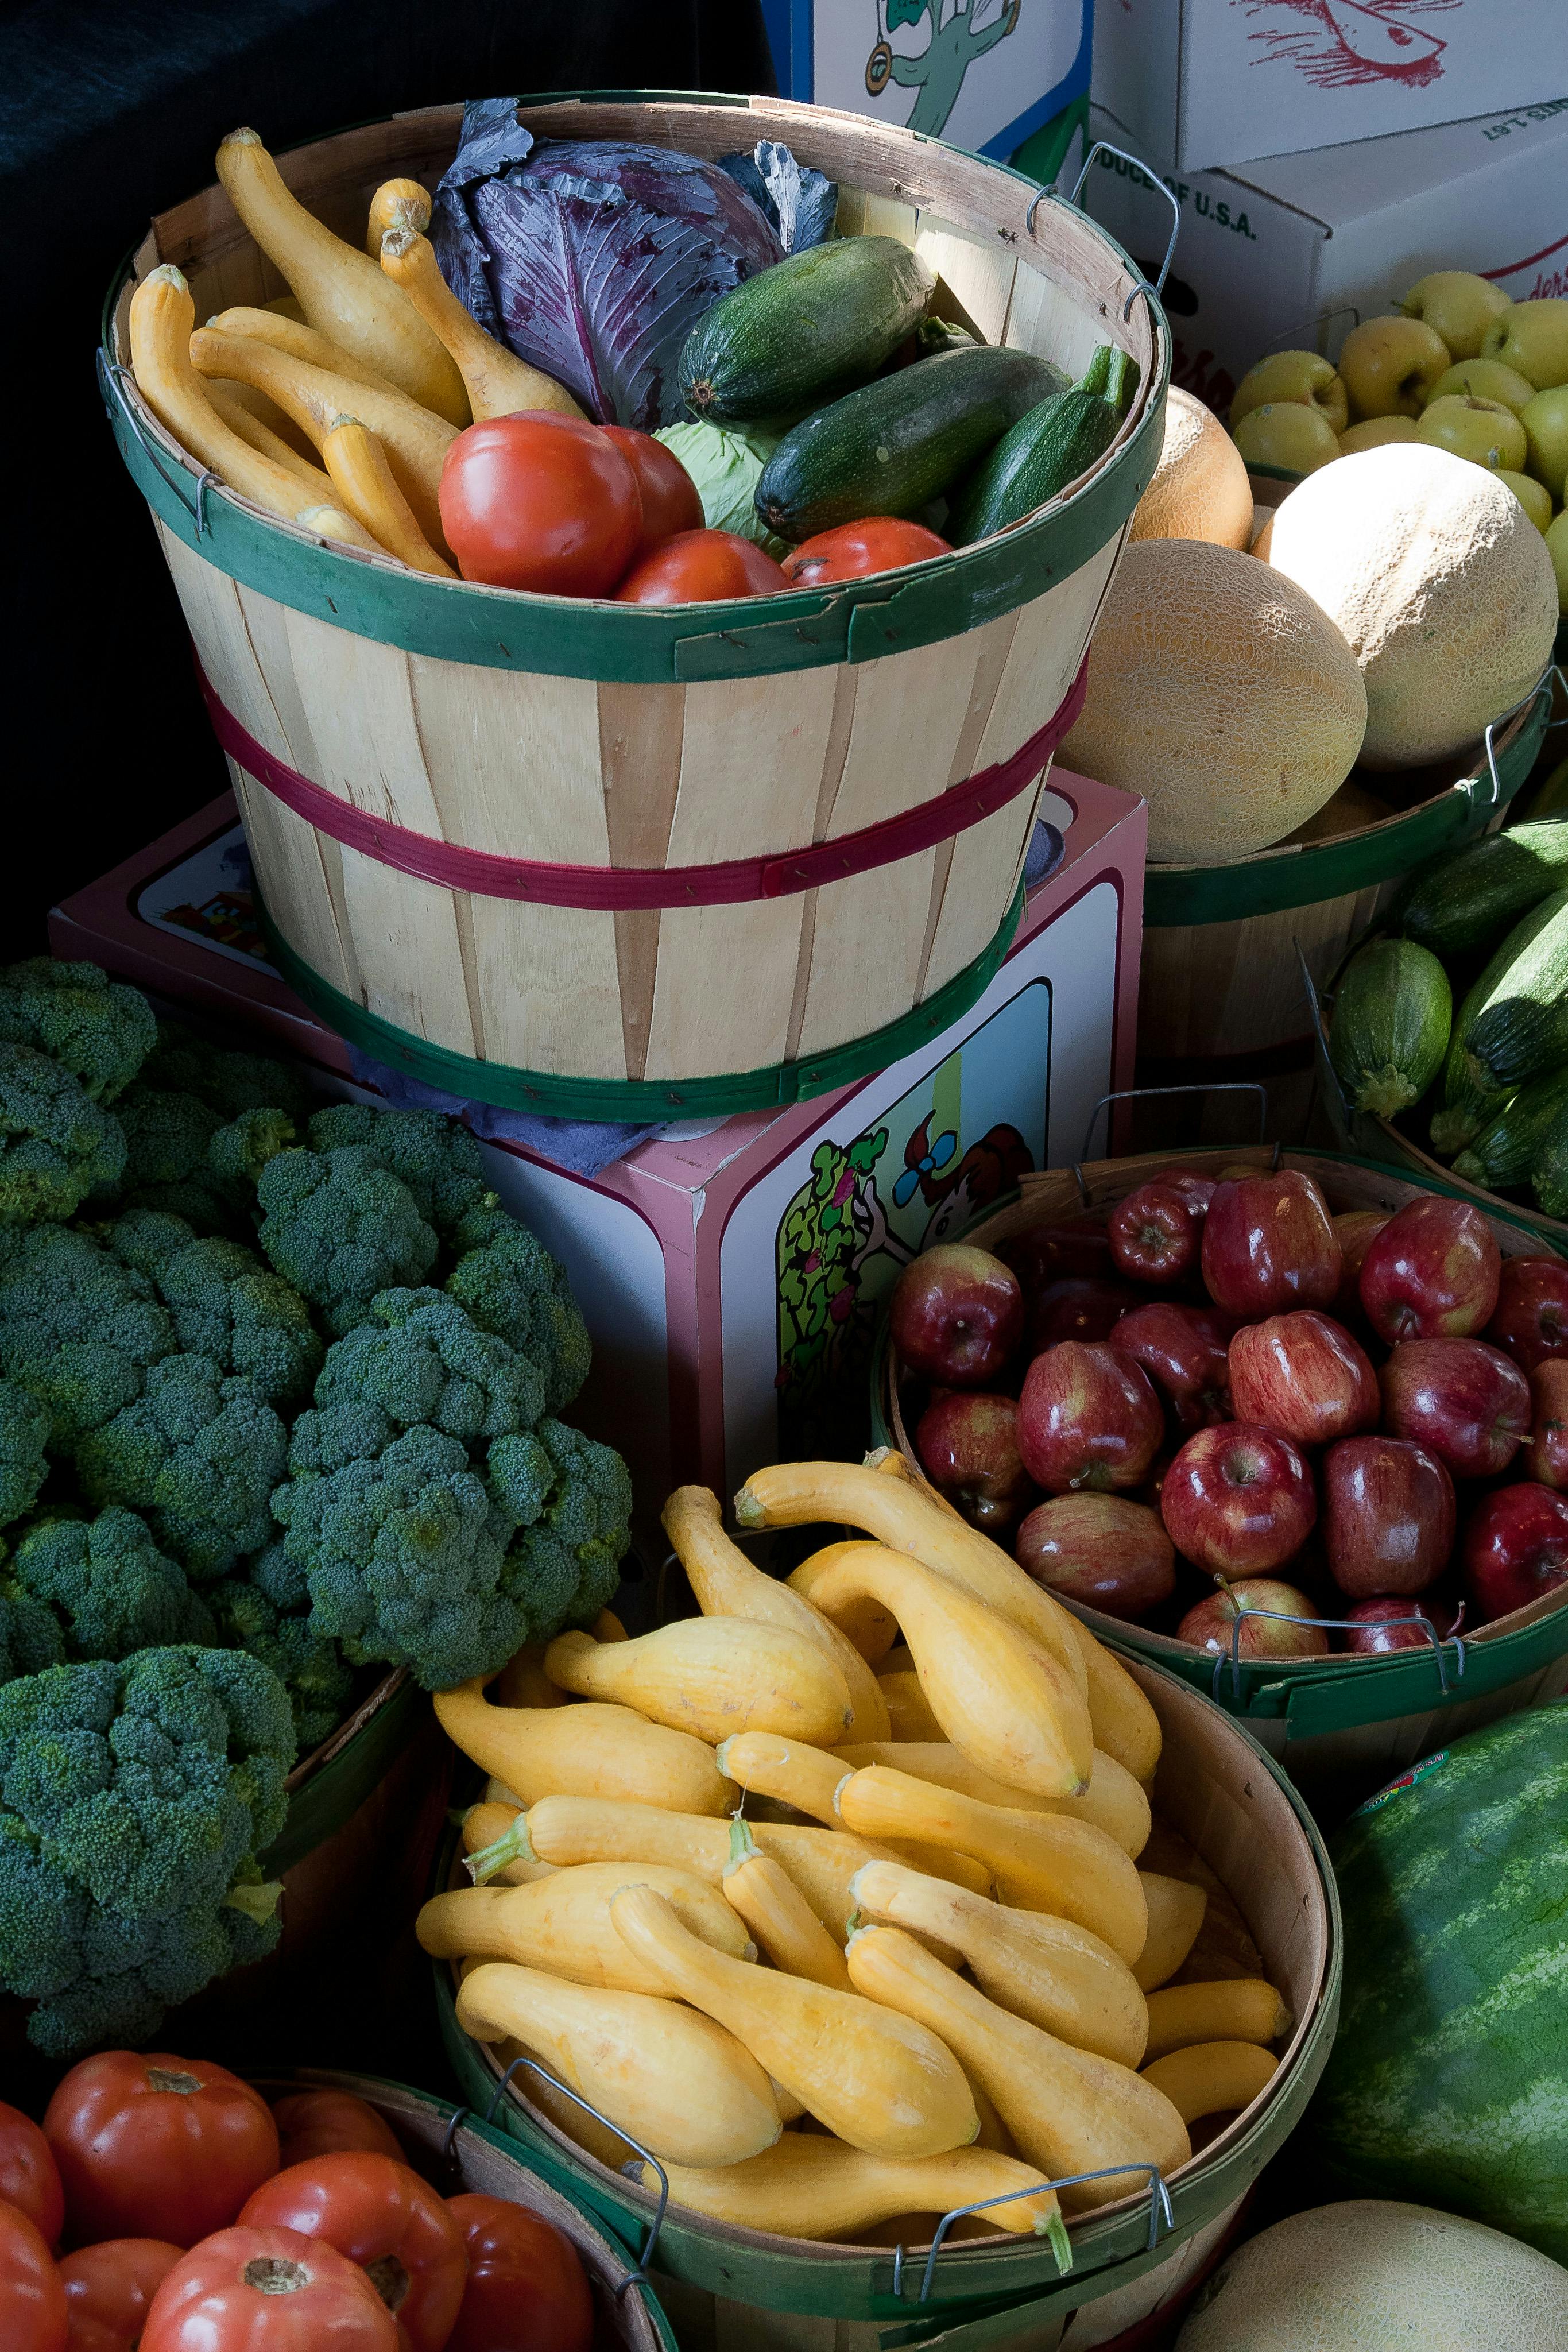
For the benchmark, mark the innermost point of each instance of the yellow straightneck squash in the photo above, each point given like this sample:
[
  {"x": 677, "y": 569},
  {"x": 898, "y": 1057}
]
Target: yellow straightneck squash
[
  {"x": 585, "y": 2131},
  {"x": 1211, "y": 2078},
  {"x": 806, "y": 2186},
  {"x": 908, "y": 1710},
  {"x": 340, "y": 289},
  {"x": 710, "y": 1676},
  {"x": 1039, "y": 1861},
  {"x": 397, "y": 203},
  {"x": 1113, "y": 1801},
  {"x": 497, "y": 383},
  {"x": 1069, "y": 2111},
  {"x": 1008, "y": 1704},
  {"x": 258, "y": 433},
  {"x": 293, "y": 337},
  {"x": 858, "y": 2068},
  {"x": 794, "y": 1773},
  {"x": 365, "y": 484},
  {"x": 1046, "y": 1969},
  {"x": 1229, "y": 2008},
  {"x": 483, "y": 1826},
  {"x": 868, "y": 1624},
  {"x": 726, "y": 1584},
  {"x": 761, "y": 1892},
  {"x": 1175, "y": 1911},
  {"x": 561, "y": 1923},
  {"x": 583, "y": 1751},
  {"x": 657, "y": 2070}
]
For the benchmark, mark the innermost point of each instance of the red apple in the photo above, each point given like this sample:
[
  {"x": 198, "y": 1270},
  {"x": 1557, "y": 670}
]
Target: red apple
[
  {"x": 1432, "y": 1272},
  {"x": 1207, "y": 1624},
  {"x": 1100, "y": 1550},
  {"x": 1383, "y": 1625},
  {"x": 1303, "y": 1375},
  {"x": 956, "y": 1315},
  {"x": 1155, "y": 1234},
  {"x": 1530, "y": 1321},
  {"x": 1198, "y": 1191},
  {"x": 1464, "y": 1402},
  {"x": 1078, "y": 1307},
  {"x": 1355, "y": 1232},
  {"x": 1516, "y": 1548},
  {"x": 1239, "y": 1499},
  {"x": 1045, "y": 1253},
  {"x": 1388, "y": 1516},
  {"x": 1545, "y": 1457},
  {"x": 968, "y": 1448},
  {"x": 1269, "y": 1245},
  {"x": 1087, "y": 1417},
  {"x": 1182, "y": 1349}
]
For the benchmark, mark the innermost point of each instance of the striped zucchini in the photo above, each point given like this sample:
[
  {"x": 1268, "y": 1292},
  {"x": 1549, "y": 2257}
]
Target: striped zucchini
[
  {"x": 1503, "y": 1154},
  {"x": 1463, "y": 900},
  {"x": 1392, "y": 1014},
  {"x": 1521, "y": 1029},
  {"x": 1471, "y": 1093}
]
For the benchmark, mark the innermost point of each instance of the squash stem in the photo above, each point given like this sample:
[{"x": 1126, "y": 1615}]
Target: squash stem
[
  {"x": 743, "y": 1846},
  {"x": 1055, "y": 2229},
  {"x": 514, "y": 1845}
]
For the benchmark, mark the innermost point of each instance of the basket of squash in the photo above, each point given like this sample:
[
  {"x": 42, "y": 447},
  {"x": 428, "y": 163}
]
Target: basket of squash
[{"x": 857, "y": 2016}]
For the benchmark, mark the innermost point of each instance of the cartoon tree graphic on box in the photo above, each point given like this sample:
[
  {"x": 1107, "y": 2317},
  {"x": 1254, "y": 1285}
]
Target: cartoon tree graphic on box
[
  {"x": 938, "y": 73},
  {"x": 825, "y": 1326}
]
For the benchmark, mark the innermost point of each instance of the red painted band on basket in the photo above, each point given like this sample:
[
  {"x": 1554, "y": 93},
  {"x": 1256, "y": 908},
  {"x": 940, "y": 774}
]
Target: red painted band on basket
[{"x": 613, "y": 889}]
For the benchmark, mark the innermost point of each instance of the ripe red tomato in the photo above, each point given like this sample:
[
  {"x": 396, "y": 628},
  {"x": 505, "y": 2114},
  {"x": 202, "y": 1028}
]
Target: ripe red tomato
[
  {"x": 32, "y": 2299},
  {"x": 382, "y": 2216},
  {"x": 156, "y": 2147},
  {"x": 876, "y": 543},
  {"x": 526, "y": 2290},
  {"x": 267, "y": 2290},
  {"x": 327, "y": 2123},
  {"x": 670, "y": 500},
  {"x": 110, "y": 2289},
  {"x": 696, "y": 567},
  {"x": 29, "y": 2176},
  {"x": 542, "y": 502}
]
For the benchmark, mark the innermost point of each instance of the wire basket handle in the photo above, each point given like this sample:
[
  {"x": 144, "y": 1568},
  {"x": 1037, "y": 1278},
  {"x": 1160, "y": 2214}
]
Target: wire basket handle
[
  {"x": 1283, "y": 1617},
  {"x": 638, "y": 2278},
  {"x": 1161, "y": 2218},
  {"x": 1104, "y": 147}
]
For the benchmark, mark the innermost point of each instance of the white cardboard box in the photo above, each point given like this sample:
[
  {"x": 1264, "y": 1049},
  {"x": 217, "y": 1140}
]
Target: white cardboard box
[
  {"x": 1207, "y": 82},
  {"x": 1288, "y": 251}
]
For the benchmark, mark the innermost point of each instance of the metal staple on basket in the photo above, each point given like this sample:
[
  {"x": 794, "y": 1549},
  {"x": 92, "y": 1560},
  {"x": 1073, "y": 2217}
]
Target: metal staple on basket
[{"x": 1283, "y": 1617}]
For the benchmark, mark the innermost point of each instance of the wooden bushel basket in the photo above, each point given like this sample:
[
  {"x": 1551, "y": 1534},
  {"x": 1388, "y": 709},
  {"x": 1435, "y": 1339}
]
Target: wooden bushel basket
[{"x": 639, "y": 752}]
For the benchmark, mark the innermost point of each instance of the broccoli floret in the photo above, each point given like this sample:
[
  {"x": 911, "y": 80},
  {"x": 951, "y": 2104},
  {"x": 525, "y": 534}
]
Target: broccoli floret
[
  {"x": 109, "y": 1584},
  {"x": 134, "y": 1798},
  {"x": 510, "y": 1285},
  {"x": 56, "y": 1145},
  {"x": 228, "y": 1082},
  {"x": 239, "y": 1151},
  {"x": 225, "y": 1304},
  {"x": 340, "y": 1227},
  {"x": 97, "y": 1028},
  {"x": 166, "y": 1139},
  {"x": 24, "y": 1466},
  {"x": 310, "y": 1666},
  {"x": 199, "y": 1454},
  {"x": 30, "y": 1636},
  {"x": 573, "y": 1499},
  {"x": 423, "y": 1358},
  {"x": 435, "y": 1155},
  {"x": 78, "y": 1330}
]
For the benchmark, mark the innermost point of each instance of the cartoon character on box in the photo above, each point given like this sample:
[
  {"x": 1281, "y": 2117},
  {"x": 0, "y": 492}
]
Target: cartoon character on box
[{"x": 936, "y": 74}]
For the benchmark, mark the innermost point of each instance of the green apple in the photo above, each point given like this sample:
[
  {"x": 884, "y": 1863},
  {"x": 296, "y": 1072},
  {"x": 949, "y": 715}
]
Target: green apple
[
  {"x": 1389, "y": 366},
  {"x": 1460, "y": 306},
  {"x": 1303, "y": 376},
  {"x": 1557, "y": 549},
  {"x": 1533, "y": 496},
  {"x": 1376, "y": 434},
  {"x": 1484, "y": 431},
  {"x": 1489, "y": 380},
  {"x": 1545, "y": 423},
  {"x": 1533, "y": 338},
  {"x": 1285, "y": 437}
]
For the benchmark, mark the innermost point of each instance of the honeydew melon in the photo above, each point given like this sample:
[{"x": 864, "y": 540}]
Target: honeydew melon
[
  {"x": 1199, "y": 489},
  {"x": 1371, "y": 2277}
]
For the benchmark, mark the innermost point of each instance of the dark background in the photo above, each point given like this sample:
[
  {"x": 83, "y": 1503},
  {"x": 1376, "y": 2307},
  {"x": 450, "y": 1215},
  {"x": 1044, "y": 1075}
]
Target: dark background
[{"x": 108, "y": 115}]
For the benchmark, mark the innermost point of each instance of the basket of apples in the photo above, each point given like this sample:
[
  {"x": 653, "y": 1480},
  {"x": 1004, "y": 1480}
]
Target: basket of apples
[{"x": 1279, "y": 1421}]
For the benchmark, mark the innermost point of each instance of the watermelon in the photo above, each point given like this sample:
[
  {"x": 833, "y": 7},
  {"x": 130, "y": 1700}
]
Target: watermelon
[{"x": 1448, "y": 2081}]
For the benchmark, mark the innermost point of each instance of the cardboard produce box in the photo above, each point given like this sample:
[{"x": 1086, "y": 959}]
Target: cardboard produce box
[
  {"x": 1289, "y": 252},
  {"x": 1208, "y": 82},
  {"x": 731, "y": 1271}
]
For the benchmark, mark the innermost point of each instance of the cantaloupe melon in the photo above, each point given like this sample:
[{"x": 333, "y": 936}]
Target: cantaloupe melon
[
  {"x": 1369, "y": 2277},
  {"x": 1440, "y": 582},
  {"x": 1199, "y": 489},
  {"x": 1220, "y": 692}
]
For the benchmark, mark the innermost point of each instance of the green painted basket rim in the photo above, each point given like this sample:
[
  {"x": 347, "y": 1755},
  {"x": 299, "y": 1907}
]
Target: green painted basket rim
[
  {"x": 639, "y": 1100},
  {"x": 1186, "y": 896},
  {"x": 463, "y": 621},
  {"x": 1001, "y": 2277},
  {"x": 328, "y": 1798}
]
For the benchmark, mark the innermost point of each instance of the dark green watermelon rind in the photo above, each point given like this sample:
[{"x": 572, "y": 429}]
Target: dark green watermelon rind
[{"x": 1448, "y": 2081}]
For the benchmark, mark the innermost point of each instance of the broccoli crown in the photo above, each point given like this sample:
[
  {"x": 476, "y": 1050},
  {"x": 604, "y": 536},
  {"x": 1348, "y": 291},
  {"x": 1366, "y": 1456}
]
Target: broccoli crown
[
  {"x": 30, "y": 1636},
  {"x": 228, "y": 1082},
  {"x": 226, "y": 1305},
  {"x": 79, "y": 1329},
  {"x": 56, "y": 1145},
  {"x": 95, "y": 1027},
  {"x": 24, "y": 1433},
  {"x": 239, "y": 1151},
  {"x": 423, "y": 1358},
  {"x": 199, "y": 1453},
  {"x": 435, "y": 1155},
  {"x": 133, "y": 1799},
  {"x": 340, "y": 1226},
  {"x": 166, "y": 1138},
  {"x": 572, "y": 1498},
  {"x": 308, "y": 1664},
  {"x": 109, "y": 1584},
  {"x": 511, "y": 1286}
]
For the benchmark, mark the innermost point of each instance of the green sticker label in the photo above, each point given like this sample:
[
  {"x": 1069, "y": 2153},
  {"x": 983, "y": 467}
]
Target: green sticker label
[{"x": 1405, "y": 1781}]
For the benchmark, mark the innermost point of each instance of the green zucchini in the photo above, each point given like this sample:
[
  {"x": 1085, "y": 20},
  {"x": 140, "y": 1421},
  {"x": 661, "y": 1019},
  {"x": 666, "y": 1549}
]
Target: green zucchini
[
  {"x": 1467, "y": 1104},
  {"x": 1463, "y": 900},
  {"x": 889, "y": 448},
  {"x": 1549, "y": 1175},
  {"x": 1520, "y": 1030},
  {"x": 1392, "y": 1012},
  {"x": 1045, "y": 450},
  {"x": 1503, "y": 1155},
  {"x": 805, "y": 330}
]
